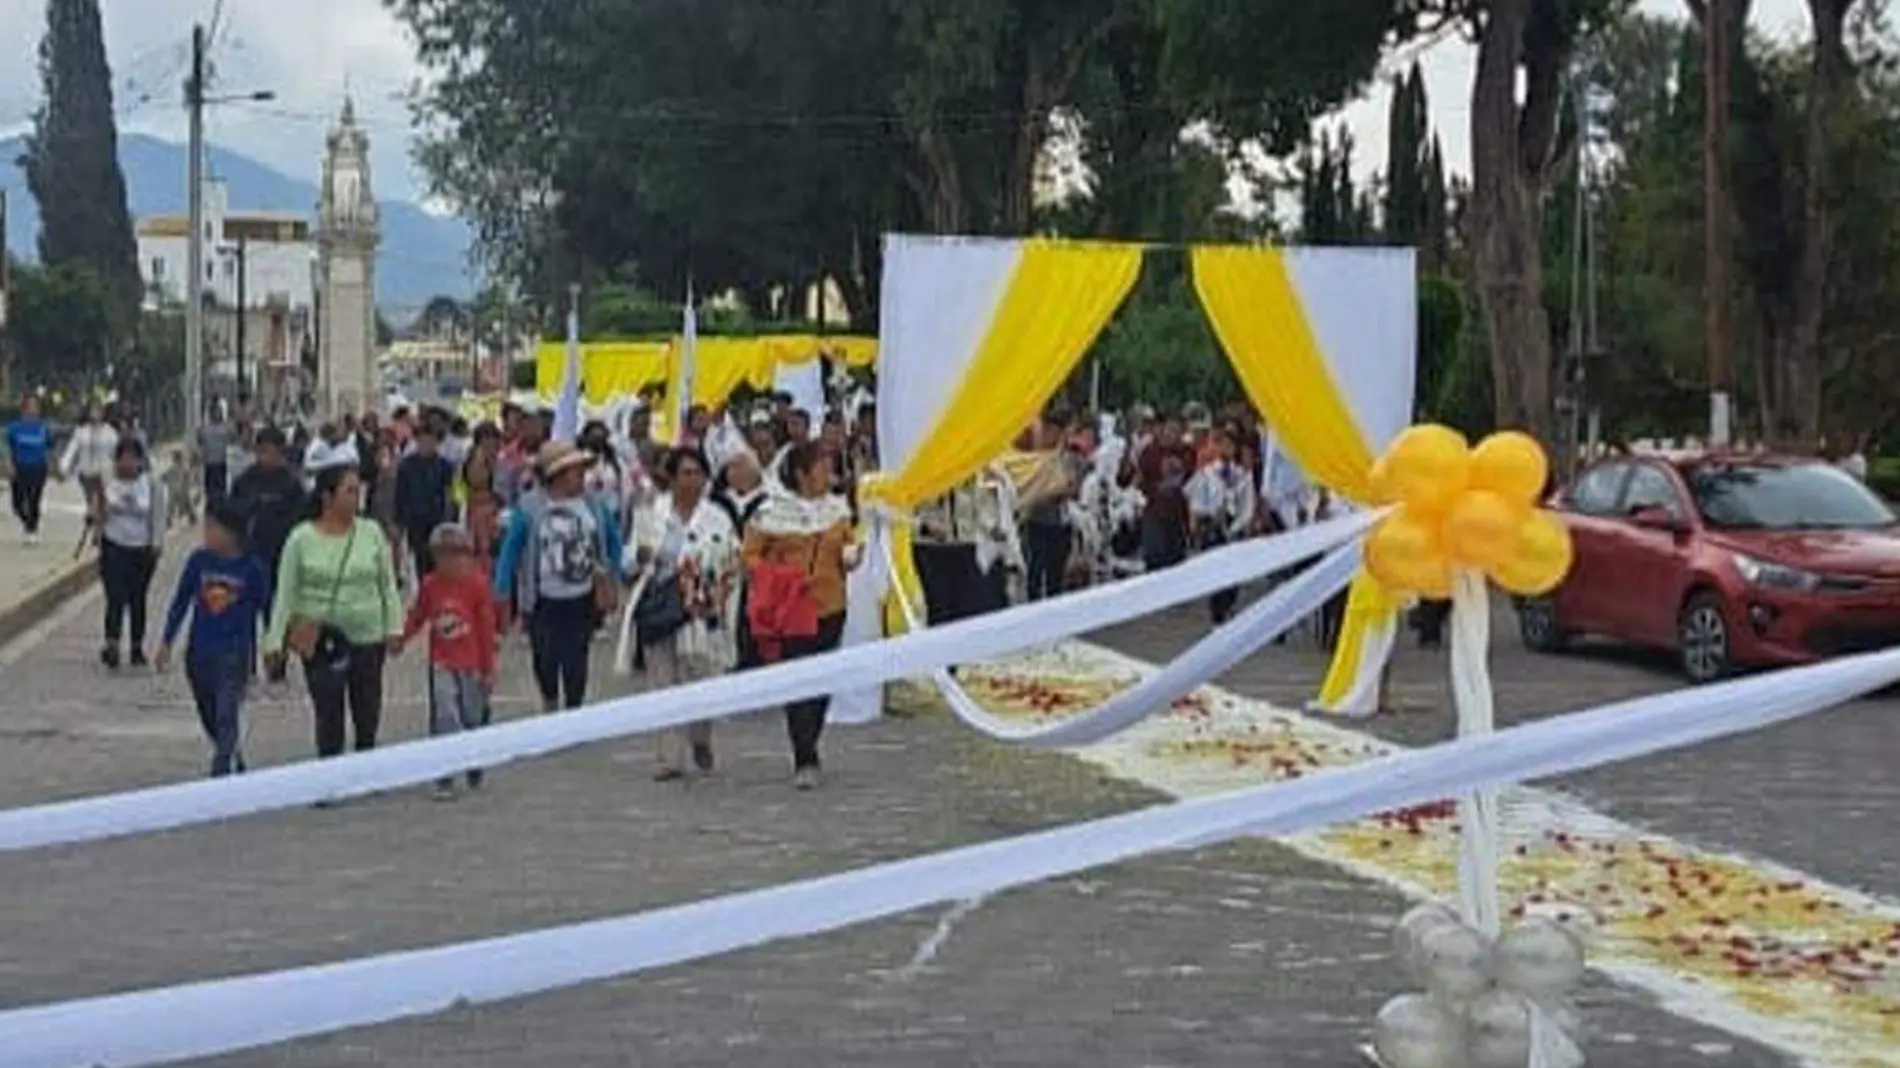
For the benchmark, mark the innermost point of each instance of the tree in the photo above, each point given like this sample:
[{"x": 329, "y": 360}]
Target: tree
[
  {"x": 60, "y": 326},
  {"x": 1334, "y": 210},
  {"x": 759, "y": 147},
  {"x": 72, "y": 160},
  {"x": 1408, "y": 125},
  {"x": 1525, "y": 50},
  {"x": 1159, "y": 349}
]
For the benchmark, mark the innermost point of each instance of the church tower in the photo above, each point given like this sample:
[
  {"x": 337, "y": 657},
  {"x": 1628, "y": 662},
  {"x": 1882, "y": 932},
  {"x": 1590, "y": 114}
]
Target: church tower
[{"x": 348, "y": 232}]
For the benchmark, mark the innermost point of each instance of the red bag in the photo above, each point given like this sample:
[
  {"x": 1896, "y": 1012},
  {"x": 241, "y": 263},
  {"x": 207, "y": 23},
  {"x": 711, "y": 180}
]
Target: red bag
[{"x": 780, "y": 608}]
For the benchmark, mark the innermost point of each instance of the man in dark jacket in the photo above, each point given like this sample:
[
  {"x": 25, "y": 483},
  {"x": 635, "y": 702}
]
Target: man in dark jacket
[
  {"x": 270, "y": 497},
  {"x": 425, "y": 484}
]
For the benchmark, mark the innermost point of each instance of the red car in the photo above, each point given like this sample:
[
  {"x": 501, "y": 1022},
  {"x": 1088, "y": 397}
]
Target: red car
[{"x": 1729, "y": 561}]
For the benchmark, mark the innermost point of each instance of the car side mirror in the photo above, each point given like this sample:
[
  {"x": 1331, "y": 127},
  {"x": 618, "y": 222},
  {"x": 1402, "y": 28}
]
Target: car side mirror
[{"x": 1654, "y": 518}]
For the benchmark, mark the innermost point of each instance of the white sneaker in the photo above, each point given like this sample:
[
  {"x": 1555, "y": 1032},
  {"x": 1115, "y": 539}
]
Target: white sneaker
[
  {"x": 33, "y": 538},
  {"x": 805, "y": 779}
]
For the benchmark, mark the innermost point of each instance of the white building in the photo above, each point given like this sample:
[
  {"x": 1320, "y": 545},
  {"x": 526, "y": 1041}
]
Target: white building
[{"x": 266, "y": 259}]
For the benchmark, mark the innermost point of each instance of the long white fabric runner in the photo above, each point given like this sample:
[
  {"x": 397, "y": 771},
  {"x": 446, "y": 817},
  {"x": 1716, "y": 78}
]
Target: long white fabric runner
[
  {"x": 1262, "y": 622},
  {"x": 179, "y": 805},
  {"x": 208, "y": 1018}
]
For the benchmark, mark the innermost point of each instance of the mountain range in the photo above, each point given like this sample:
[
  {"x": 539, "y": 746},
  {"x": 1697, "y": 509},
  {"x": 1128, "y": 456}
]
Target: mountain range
[{"x": 422, "y": 255}]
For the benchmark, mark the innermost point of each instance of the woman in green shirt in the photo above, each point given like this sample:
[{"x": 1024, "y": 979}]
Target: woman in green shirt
[{"x": 338, "y": 609}]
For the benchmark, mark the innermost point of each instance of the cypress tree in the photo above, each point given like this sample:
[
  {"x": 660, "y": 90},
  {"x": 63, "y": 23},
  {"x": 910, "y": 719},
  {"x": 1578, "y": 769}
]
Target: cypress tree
[
  {"x": 1404, "y": 154},
  {"x": 72, "y": 159}
]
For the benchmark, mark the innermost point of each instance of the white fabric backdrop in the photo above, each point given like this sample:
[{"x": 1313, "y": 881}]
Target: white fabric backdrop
[
  {"x": 806, "y": 384},
  {"x": 1362, "y": 305},
  {"x": 939, "y": 297}
]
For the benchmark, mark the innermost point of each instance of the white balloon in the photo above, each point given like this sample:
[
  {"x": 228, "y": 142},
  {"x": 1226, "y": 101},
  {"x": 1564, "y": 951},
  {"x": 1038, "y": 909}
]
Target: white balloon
[
  {"x": 1456, "y": 961},
  {"x": 1413, "y": 927},
  {"x": 1412, "y": 1031},
  {"x": 1500, "y": 1029},
  {"x": 1540, "y": 959},
  {"x": 1564, "y": 1015}
]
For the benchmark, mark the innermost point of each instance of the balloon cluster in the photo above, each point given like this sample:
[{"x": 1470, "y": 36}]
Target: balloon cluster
[
  {"x": 1464, "y": 507},
  {"x": 1480, "y": 996}
]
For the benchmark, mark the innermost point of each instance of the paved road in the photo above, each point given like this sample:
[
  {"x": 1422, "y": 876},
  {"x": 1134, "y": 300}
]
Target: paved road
[{"x": 1242, "y": 955}]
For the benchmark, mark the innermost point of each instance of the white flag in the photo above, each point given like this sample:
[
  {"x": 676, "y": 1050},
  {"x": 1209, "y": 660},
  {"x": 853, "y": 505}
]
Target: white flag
[{"x": 567, "y": 403}]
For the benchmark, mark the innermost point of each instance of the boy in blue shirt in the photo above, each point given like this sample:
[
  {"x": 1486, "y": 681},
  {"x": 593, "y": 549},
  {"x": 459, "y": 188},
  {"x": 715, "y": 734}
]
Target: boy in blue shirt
[
  {"x": 28, "y": 443},
  {"x": 224, "y": 589}
]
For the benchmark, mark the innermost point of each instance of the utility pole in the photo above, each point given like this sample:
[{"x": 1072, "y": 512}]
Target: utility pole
[
  {"x": 243, "y": 313},
  {"x": 195, "y": 243},
  {"x": 6, "y": 303},
  {"x": 1718, "y": 243}
]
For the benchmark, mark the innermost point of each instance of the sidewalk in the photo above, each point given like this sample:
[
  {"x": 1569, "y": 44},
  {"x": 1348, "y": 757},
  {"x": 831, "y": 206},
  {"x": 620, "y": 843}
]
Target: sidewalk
[{"x": 36, "y": 578}]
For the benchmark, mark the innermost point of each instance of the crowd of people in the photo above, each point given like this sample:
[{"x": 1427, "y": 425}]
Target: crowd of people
[{"x": 340, "y": 547}]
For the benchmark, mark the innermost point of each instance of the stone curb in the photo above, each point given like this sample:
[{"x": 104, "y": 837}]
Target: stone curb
[{"x": 44, "y": 598}]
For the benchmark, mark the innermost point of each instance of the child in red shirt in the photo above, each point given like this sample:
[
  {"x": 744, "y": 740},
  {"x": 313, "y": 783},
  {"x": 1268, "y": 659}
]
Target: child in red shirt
[{"x": 456, "y": 606}]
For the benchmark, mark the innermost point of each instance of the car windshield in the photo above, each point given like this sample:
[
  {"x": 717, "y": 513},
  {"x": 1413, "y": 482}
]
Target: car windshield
[{"x": 1799, "y": 497}]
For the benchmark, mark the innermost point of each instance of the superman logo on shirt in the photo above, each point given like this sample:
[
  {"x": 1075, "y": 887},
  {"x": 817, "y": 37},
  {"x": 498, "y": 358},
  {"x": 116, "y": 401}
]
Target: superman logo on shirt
[{"x": 217, "y": 594}]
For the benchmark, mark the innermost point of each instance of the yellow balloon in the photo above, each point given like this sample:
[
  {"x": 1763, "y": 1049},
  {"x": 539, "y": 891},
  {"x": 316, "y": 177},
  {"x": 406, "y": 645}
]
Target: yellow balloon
[
  {"x": 1483, "y": 528},
  {"x": 1542, "y": 558},
  {"x": 1427, "y": 467},
  {"x": 1512, "y": 465},
  {"x": 1379, "y": 483},
  {"x": 1406, "y": 554}
]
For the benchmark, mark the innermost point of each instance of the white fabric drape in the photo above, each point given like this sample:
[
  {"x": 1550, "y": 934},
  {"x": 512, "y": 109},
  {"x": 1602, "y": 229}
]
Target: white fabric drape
[
  {"x": 422, "y": 761},
  {"x": 567, "y": 403},
  {"x": 805, "y": 384},
  {"x": 938, "y": 298},
  {"x": 1362, "y": 306},
  {"x": 225, "y": 1015}
]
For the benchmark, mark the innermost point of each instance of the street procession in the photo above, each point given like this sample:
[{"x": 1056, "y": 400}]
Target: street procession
[{"x": 870, "y": 533}]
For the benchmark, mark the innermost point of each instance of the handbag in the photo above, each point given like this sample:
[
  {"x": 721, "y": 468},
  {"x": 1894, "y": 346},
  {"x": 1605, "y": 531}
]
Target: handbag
[
  {"x": 661, "y": 610},
  {"x": 781, "y": 607},
  {"x": 324, "y": 645}
]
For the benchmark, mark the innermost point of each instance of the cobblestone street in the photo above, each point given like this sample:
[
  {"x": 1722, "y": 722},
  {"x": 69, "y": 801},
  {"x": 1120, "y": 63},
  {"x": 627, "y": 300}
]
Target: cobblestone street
[{"x": 1249, "y": 954}]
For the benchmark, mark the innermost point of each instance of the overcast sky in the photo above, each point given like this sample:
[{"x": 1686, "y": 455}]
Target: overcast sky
[{"x": 308, "y": 51}]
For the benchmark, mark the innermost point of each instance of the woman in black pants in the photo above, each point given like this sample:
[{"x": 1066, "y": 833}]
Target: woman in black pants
[
  {"x": 338, "y": 609},
  {"x": 808, "y": 529},
  {"x": 129, "y": 541}
]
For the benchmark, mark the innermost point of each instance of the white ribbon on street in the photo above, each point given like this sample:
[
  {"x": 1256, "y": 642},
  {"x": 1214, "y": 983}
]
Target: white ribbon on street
[
  {"x": 179, "y": 805},
  {"x": 205, "y": 1019},
  {"x": 1262, "y": 622}
]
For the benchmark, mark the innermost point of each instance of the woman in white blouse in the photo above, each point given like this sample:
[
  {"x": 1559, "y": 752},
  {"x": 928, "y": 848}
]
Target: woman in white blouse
[
  {"x": 131, "y": 534},
  {"x": 1221, "y": 504},
  {"x": 686, "y": 549}
]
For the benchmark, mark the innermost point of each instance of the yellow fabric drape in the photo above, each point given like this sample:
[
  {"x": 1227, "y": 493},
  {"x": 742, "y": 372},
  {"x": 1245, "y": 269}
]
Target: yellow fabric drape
[
  {"x": 1061, "y": 296},
  {"x": 1257, "y": 314},
  {"x": 723, "y": 364},
  {"x": 609, "y": 369}
]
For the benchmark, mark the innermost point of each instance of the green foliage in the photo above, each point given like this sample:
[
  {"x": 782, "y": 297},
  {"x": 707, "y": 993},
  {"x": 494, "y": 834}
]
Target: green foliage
[
  {"x": 1334, "y": 210},
  {"x": 1159, "y": 349},
  {"x": 60, "y": 329},
  {"x": 72, "y": 162},
  {"x": 755, "y": 146}
]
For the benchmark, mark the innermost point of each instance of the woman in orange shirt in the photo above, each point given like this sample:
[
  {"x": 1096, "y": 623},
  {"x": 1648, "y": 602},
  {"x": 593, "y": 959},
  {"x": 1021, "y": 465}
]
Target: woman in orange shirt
[{"x": 808, "y": 527}]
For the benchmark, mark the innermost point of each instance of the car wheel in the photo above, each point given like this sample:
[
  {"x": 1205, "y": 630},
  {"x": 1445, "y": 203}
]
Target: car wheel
[
  {"x": 1702, "y": 639},
  {"x": 1539, "y": 627}
]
